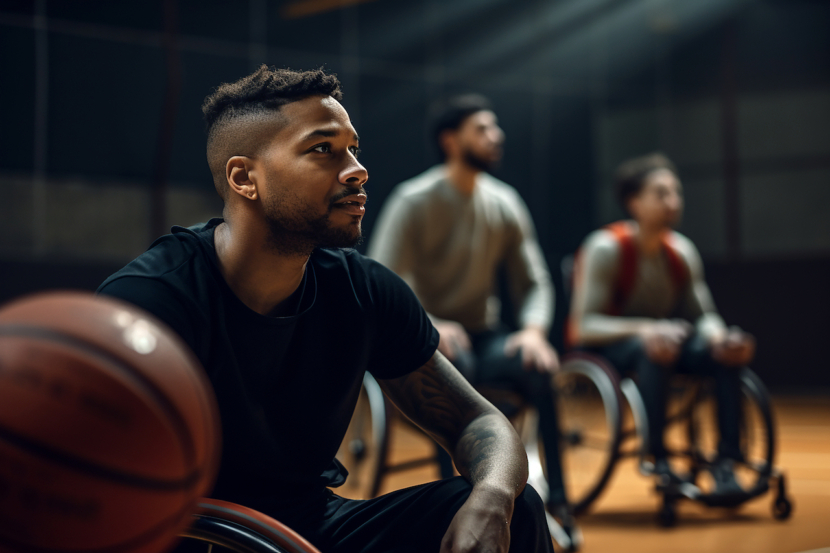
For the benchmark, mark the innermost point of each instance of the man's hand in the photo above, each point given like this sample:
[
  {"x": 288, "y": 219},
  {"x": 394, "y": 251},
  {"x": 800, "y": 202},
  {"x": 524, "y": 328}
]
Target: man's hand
[
  {"x": 481, "y": 525},
  {"x": 537, "y": 353},
  {"x": 453, "y": 339},
  {"x": 484, "y": 446},
  {"x": 663, "y": 340},
  {"x": 733, "y": 348}
]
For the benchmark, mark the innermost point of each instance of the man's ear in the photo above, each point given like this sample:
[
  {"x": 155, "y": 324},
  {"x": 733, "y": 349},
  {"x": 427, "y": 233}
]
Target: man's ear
[
  {"x": 240, "y": 180},
  {"x": 448, "y": 139}
]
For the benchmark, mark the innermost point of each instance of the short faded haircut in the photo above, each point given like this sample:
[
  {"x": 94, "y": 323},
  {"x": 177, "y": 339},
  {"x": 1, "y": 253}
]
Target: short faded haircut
[{"x": 234, "y": 111}]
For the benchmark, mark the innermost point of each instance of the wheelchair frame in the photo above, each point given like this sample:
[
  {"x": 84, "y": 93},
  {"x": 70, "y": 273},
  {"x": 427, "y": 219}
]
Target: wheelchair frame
[
  {"x": 588, "y": 379},
  {"x": 763, "y": 466}
]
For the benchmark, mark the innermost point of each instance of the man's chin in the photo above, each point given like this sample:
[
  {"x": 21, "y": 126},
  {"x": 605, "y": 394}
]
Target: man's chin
[
  {"x": 344, "y": 239},
  {"x": 480, "y": 162}
]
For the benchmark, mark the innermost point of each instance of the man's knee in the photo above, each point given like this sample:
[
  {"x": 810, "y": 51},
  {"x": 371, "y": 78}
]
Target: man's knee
[
  {"x": 538, "y": 382},
  {"x": 529, "y": 527},
  {"x": 529, "y": 503},
  {"x": 626, "y": 355}
]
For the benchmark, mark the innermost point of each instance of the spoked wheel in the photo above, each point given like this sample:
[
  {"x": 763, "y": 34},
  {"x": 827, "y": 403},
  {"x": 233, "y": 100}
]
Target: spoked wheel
[
  {"x": 757, "y": 438},
  {"x": 364, "y": 448},
  {"x": 589, "y": 416}
]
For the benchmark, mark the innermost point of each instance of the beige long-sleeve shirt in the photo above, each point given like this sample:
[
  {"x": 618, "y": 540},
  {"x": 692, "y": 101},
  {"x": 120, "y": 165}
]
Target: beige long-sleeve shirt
[
  {"x": 449, "y": 246},
  {"x": 654, "y": 295}
]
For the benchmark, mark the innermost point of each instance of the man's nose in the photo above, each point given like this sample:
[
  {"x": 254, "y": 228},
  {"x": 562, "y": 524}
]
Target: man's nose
[
  {"x": 675, "y": 201},
  {"x": 496, "y": 135},
  {"x": 354, "y": 174}
]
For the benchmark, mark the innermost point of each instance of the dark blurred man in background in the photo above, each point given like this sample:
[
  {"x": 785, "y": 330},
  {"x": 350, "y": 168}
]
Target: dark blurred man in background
[{"x": 448, "y": 232}]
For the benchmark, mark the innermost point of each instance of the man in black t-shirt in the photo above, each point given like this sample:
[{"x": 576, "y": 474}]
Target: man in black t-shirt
[{"x": 285, "y": 322}]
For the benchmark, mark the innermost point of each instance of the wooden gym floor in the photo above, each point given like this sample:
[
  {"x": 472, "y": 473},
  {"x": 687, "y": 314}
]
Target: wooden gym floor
[{"x": 623, "y": 520}]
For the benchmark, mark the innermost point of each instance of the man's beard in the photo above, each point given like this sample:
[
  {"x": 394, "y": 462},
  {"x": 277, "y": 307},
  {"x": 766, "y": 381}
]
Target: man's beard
[
  {"x": 477, "y": 162},
  {"x": 303, "y": 231}
]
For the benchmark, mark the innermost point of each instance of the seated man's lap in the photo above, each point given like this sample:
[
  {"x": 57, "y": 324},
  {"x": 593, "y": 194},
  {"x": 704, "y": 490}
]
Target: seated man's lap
[
  {"x": 495, "y": 368},
  {"x": 411, "y": 519},
  {"x": 628, "y": 356}
]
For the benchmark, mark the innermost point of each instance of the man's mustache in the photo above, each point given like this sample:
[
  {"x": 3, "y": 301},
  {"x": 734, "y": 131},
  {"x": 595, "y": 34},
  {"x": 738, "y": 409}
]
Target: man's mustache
[{"x": 349, "y": 192}]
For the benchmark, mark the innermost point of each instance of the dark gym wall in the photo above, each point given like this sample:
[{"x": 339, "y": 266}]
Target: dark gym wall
[{"x": 102, "y": 143}]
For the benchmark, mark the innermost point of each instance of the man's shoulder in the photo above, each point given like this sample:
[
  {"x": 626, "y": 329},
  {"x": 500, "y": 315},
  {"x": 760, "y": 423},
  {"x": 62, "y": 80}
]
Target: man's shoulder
[
  {"x": 681, "y": 240},
  {"x": 423, "y": 184},
  {"x": 684, "y": 246},
  {"x": 601, "y": 243},
  {"x": 491, "y": 182},
  {"x": 499, "y": 192},
  {"x": 165, "y": 257}
]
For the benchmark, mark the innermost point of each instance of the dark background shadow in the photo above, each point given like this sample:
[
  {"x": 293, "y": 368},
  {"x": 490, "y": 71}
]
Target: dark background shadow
[{"x": 102, "y": 143}]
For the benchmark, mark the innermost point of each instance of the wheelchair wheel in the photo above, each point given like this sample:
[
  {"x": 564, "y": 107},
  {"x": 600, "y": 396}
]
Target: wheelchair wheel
[
  {"x": 757, "y": 437},
  {"x": 221, "y": 526},
  {"x": 364, "y": 448},
  {"x": 590, "y": 414}
]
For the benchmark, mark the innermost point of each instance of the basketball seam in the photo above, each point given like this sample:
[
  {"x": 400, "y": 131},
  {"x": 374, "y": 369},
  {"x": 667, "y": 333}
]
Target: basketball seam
[
  {"x": 149, "y": 388},
  {"x": 67, "y": 460}
]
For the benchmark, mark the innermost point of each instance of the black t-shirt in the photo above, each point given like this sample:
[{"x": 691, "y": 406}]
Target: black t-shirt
[{"x": 286, "y": 386}]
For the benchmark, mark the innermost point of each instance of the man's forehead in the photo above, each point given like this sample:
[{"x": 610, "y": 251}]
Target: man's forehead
[
  {"x": 481, "y": 118},
  {"x": 320, "y": 115},
  {"x": 660, "y": 178}
]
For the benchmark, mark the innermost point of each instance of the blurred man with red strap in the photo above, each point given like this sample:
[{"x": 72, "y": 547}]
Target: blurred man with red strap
[{"x": 640, "y": 299}]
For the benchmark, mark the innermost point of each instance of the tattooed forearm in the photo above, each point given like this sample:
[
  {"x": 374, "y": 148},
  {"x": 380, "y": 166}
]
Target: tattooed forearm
[
  {"x": 476, "y": 448},
  {"x": 483, "y": 444},
  {"x": 488, "y": 447},
  {"x": 437, "y": 398}
]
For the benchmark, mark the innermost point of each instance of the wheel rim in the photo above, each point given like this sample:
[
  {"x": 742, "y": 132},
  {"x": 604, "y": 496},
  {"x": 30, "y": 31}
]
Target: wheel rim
[
  {"x": 757, "y": 436},
  {"x": 361, "y": 451},
  {"x": 589, "y": 414}
]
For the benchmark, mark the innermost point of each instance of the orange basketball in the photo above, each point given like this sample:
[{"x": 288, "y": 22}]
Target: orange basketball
[{"x": 109, "y": 430}]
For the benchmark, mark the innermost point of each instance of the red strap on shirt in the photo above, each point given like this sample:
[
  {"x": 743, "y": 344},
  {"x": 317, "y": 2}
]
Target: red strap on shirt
[
  {"x": 623, "y": 232},
  {"x": 627, "y": 268}
]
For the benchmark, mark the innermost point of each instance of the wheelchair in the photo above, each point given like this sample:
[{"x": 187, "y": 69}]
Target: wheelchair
[
  {"x": 365, "y": 448},
  {"x": 588, "y": 462},
  {"x": 602, "y": 419},
  {"x": 589, "y": 400},
  {"x": 220, "y": 526}
]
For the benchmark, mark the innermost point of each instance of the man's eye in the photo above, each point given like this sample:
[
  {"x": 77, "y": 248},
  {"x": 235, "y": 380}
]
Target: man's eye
[
  {"x": 322, "y": 148},
  {"x": 355, "y": 151}
]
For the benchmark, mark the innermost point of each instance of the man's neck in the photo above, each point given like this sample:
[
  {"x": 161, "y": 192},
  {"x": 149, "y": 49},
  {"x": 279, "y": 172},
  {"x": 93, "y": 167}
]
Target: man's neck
[
  {"x": 262, "y": 278},
  {"x": 650, "y": 238},
  {"x": 461, "y": 175}
]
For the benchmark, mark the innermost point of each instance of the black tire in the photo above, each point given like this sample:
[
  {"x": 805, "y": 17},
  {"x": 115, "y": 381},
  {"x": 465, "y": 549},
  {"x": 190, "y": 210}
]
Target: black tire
[
  {"x": 589, "y": 416},
  {"x": 219, "y": 527},
  {"x": 668, "y": 514},
  {"x": 225, "y": 536},
  {"x": 782, "y": 508},
  {"x": 757, "y": 432}
]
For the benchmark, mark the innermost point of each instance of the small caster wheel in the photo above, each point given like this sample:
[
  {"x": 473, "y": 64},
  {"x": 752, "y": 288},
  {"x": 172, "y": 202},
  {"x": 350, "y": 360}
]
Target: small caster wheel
[
  {"x": 782, "y": 508},
  {"x": 667, "y": 515}
]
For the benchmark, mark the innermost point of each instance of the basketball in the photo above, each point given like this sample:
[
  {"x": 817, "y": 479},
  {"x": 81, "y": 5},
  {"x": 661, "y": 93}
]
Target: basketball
[{"x": 109, "y": 430}]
